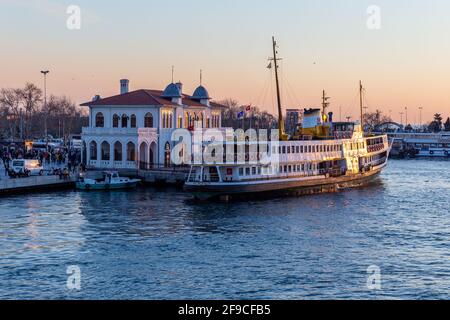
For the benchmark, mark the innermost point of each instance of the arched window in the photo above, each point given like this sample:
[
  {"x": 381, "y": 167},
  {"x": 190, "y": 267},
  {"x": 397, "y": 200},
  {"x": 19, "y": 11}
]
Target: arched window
[
  {"x": 99, "y": 120},
  {"x": 131, "y": 152},
  {"x": 124, "y": 121},
  {"x": 117, "y": 151},
  {"x": 105, "y": 151},
  {"x": 186, "y": 120},
  {"x": 116, "y": 119},
  {"x": 133, "y": 121},
  {"x": 148, "y": 121},
  {"x": 170, "y": 121},
  {"x": 93, "y": 150},
  {"x": 167, "y": 155}
]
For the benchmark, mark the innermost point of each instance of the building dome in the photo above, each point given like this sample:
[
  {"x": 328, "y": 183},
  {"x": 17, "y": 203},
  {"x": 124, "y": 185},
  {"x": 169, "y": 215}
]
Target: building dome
[
  {"x": 201, "y": 94},
  {"x": 172, "y": 91}
]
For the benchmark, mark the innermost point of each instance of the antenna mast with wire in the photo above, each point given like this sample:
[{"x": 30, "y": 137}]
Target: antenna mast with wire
[
  {"x": 281, "y": 127},
  {"x": 361, "y": 90}
]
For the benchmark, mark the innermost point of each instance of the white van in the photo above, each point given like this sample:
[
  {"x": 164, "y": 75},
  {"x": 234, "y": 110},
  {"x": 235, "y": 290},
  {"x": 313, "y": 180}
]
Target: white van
[{"x": 31, "y": 166}]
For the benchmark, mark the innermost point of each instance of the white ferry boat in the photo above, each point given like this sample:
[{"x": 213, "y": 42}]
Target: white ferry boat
[{"x": 324, "y": 156}]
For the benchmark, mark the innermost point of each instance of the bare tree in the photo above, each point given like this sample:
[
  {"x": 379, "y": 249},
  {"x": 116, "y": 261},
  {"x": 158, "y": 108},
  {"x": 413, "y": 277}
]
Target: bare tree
[
  {"x": 255, "y": 117},
  {"x": 10, "y": 105},
  {"x": 374, "y": 119},
  {"x": 31, "y": 97},
  {"x": 62, "y": 116}
]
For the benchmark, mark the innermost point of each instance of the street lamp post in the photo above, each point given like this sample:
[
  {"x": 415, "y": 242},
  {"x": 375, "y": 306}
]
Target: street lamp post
[
  {"x": 401, "y": 118},
  {"x": 420, "y": 117},
  {"x": 406, "y": 115},
  {"x": 45, "y": 102}
]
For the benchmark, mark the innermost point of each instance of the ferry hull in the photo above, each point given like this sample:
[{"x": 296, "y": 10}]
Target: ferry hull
[{"x": 280, "y": 188}]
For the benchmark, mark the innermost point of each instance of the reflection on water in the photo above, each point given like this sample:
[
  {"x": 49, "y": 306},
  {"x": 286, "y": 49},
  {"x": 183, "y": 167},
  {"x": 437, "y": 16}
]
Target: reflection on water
[{"x": 156, "y": 244}]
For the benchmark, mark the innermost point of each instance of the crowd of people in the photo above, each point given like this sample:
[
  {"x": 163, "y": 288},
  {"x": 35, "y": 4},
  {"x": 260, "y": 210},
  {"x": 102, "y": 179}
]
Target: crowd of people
[{"x": 62, "y": 161}]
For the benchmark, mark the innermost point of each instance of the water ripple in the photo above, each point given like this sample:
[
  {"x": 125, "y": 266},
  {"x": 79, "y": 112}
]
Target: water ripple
[{"x": 156, "y": 244}]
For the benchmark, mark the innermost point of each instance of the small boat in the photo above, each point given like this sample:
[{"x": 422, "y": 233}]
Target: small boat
[{"x": 110, "y": 181}]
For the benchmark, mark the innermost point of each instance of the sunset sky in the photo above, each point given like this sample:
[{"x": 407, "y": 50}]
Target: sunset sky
[{"x": 325, "y": 44}]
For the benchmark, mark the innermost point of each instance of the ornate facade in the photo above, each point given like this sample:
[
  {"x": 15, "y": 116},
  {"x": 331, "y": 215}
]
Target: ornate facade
[{"x": 133, "y": 130}]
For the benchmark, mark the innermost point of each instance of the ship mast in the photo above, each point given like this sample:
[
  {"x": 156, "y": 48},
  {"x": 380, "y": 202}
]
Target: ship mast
[
  {"x": 281, "y": 127},
  {"x": 361, "y": 89},
  {"x": 325, "y": 105}
]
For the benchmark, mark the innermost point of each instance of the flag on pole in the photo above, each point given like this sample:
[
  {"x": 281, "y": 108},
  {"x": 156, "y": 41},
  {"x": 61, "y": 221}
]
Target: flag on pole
[
  {"x": 241, "y": 115},
  {"x": 248, "y": 108}
]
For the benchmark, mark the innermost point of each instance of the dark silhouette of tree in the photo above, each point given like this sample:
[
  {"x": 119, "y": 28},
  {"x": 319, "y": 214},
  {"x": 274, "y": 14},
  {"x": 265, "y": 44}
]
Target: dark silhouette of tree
[
  {"x": 22, "y": 114},
  {"x": 447, "y": 125},
  {"x": 10, "y": 111},
  {"x": 254, "y": 118},
  {"x": 31, "y": 97},
  {"x": 373, "y": 119},
  {"x": 436, "y": 124}
]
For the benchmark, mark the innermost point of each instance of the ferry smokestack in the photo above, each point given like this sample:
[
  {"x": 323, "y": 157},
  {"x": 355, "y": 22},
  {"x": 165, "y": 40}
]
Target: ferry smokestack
[{"x": 124, "y": 86}]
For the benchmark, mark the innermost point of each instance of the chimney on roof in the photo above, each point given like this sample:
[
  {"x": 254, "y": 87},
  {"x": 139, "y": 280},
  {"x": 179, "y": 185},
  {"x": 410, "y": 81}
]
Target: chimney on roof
[
  {"x": 96, "y": 98},
  {"x": 180, "y": 87},
  {"x": 124, "y": 86}
]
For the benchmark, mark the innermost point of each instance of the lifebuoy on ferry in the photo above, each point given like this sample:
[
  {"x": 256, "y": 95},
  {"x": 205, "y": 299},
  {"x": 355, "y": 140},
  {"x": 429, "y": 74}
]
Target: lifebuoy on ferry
[
  {"x": 431, "y": 152},
  {"x": 446, "y": 153}
]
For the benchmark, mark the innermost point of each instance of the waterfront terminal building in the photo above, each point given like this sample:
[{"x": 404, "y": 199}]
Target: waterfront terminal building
[{"x": 133, "y": 130}]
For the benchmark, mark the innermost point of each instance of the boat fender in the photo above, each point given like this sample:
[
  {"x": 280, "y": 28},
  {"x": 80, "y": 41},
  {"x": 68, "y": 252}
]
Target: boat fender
[
  {"x": 432, "y": 152},
  {"x": 446, "y": 153}
]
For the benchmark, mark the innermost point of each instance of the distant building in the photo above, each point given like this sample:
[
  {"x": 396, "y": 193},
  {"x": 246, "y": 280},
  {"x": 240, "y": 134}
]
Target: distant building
[
  {"x": 133, "y": 130},
  {"x": 293, "y": 119}
]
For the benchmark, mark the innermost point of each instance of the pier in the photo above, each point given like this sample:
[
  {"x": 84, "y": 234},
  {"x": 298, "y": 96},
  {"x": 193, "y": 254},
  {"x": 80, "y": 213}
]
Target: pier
[
  {"x": 414, "y": 144},
  {"x": 35, "y": 184},
  {"x": 169, "y": 176},
  {"x": 157, "y": 175}
]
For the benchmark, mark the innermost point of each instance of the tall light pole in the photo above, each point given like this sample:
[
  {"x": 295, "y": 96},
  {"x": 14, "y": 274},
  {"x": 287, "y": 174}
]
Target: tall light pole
[
  {"x": 420, "y": 117},
  {"x": 45, "y": 102},
  {"x": 401, "y": 118},
  {"x": 406, "y": 114}
]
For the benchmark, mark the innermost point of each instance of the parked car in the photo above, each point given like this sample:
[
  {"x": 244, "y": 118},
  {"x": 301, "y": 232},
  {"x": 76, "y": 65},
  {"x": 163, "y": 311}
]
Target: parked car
[{"x": 27, "y": 167}]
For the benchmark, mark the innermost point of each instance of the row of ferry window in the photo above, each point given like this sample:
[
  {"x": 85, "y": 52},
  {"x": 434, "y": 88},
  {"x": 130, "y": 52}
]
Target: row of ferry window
[
  {"x": 253, "y": 171},
  {"x": 307, "y": 149}
]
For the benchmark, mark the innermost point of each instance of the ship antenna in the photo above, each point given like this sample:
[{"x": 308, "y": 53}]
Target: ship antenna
[{"x": 280, "y": 111}]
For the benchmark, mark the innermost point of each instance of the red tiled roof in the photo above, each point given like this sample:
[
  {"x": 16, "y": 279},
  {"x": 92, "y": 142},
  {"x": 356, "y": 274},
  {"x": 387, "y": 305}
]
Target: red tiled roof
[
  {"x": 135, "y": 98},
  {"x": 145, "y": 98}
]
